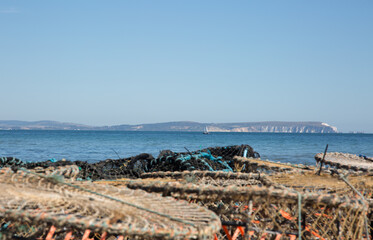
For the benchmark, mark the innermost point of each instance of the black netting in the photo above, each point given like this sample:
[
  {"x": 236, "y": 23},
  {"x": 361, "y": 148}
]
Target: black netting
[
  {"x": 106, "y": 169},
  {"x": 209, "y": 159},
  {"x": 10, "y": 162},
  {"x": 231, "y": 151},
  {"x": 227, "y": 152}
]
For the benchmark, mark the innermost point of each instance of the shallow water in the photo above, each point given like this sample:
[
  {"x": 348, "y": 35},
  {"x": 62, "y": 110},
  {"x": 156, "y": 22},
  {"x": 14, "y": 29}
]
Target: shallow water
[{"x": 94, "y": 146}]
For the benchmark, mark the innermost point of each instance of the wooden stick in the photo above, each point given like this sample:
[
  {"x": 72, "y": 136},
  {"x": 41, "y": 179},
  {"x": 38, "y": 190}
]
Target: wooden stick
[{"x": 323, "y": 158}]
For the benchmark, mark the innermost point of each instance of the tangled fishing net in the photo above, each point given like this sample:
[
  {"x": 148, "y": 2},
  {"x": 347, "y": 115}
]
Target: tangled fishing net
[{"x": 209, "y": 159}]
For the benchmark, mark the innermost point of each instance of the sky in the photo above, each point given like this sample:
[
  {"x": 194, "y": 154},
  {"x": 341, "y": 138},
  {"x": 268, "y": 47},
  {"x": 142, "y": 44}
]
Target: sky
[{"x": 132, "y": 62}]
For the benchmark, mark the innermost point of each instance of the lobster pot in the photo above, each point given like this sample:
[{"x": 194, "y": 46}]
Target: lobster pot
[
  {"x": 326, "y": 183},
  {"x": 345, "y": 161},
  {"x": 36, "y": 206},
  {"x": 269, "y": 212}
]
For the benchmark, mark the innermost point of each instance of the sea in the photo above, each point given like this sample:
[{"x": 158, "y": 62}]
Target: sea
[{"x": 94, "y": 146}]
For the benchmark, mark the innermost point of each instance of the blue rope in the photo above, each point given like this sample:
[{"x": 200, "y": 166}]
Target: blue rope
[
  {"x": 206, "y": 164},
  {"x": 201, "y": 156},
  {"x": 52, "y": 160}
]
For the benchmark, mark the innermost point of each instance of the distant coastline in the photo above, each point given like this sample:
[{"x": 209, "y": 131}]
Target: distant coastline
[{"x": 181, "y": 126}]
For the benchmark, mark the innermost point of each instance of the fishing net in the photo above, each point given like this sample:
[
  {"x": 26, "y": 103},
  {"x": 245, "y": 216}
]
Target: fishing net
[
  {"x": 106, "y": 169},
  {"x": 209, "y": 159},
  {"x": 189, "y": 162},
  {"x": 229, "y": 152},
  {"x": 270, "y": 212},
  {"x": 10, "y": 162},
  {"x": 35, "y": 206}
]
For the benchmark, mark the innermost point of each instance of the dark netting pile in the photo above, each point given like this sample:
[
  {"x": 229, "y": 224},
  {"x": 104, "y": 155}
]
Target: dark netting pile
[
  {"x": 10, "y": 162},
  {"x": 208, "y": 159}
]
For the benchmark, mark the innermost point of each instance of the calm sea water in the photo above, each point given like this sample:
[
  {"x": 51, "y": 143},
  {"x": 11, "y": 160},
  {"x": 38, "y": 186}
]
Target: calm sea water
[{"x": 94, "y": 146}]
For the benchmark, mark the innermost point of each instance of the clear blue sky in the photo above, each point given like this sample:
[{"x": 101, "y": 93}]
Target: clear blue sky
[{"x": 117, "y": 62}]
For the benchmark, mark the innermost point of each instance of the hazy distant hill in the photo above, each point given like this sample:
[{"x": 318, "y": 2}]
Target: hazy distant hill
[
  {"x": 41, "y": 125},
  {"x": 284, "y": 127}
]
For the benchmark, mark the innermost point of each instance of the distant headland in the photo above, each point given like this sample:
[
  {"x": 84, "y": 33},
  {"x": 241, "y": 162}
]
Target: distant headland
[{"x": 181, "y": 126}]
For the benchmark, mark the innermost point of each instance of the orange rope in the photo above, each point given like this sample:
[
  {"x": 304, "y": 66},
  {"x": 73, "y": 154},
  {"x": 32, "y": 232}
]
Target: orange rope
[
  {"x": 241, "y": 230},
  {"x": 236, "y": 233},
  {"x": 324, "y": 215},
  {"x": 227, "y": 232},
  {"x": 293, "y": 237},
  {"x": 103, "y": 236},
  {"x": 86, "y": 235},
  {"x": 315, "y": 233},
  {"x": 50, "y": 233},
  {"x": 286, "y": 215},
  {"x": 278, "y": 236},
  {"x": 69, "y": 235},
  {"x": 263, "y": 237}
]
